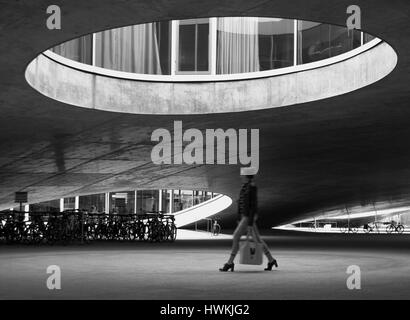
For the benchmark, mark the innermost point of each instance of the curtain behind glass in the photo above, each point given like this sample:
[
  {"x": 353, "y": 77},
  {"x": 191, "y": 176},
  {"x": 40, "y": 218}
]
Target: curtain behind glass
[
  {"x": 237, "y": 45},
  {"x": 79, "y": 49},
  {"x": 130, "y": 49}
]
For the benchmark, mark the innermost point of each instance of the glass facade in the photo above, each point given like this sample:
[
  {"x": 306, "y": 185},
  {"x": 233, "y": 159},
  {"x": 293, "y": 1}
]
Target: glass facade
[
  {"x": 122, "y": 202},
  {"x": 69, "y": 203},
  {"x": 213, "y": 46},
  {"x": 193, "y": 49},
  {"x": 318, "y": 41},
  {"x": 276, "y": 42},
  {"x": 143, "y": 48},
  {"x": 187, "y": 199},
  {"x": 147, "y": 201},
  {"x": 46, "y": 206},
  {"x": 93, "y": 203},
  {"x": 128, "y": 202},
  {"x": 79, "y": 49},
  {"x": 368, "y": 37}
]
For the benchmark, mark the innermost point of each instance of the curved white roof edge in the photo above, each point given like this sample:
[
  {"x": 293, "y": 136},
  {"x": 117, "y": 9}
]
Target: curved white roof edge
[
  {"x": 305, "y": 83},
  {"x": 202, "y": 210}
]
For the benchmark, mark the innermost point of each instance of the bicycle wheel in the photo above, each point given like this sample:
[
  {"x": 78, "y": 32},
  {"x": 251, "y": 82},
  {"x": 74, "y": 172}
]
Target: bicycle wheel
[
  {"x": 390, "y": 228},
  {"x": 140, "y": 231},
  {"x": 174, "y": 231},
  {"x": 33, "y": 235},
  {"x": 400, "y": 228}
]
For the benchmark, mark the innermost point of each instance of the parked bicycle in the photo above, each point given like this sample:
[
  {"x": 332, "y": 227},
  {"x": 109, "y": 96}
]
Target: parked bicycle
[
  {"x": 348, "y": 229},
  {"x": 394, "y": 227},
  {"x": 371, "y": 227},
  {"x": 80, "y": 226}
]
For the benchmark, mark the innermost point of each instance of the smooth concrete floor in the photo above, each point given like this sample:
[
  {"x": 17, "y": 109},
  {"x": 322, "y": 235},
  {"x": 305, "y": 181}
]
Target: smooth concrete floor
[{"x": 310, "y": 267}]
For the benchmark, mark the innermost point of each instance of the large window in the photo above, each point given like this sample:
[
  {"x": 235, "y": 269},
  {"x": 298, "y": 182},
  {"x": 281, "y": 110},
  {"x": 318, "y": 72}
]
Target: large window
[
  {"x": 69, "y": 203},
  {"x": 94, "y": 202},
  {"x": 147, "y": 201},
  {"x": 163, "y": 33},
  {"x": 79, "y": 50},
  {"x": 141, "y": 48},
  {"x": 46, "y": 206},
  {"x": 216, "y": 46},
  {"x": 122, "y": 202},
  {"x": 275, "y": 43},
  {"x": 237, "y": 45},
  {"x": 318, "y": 41},
  {"x": 367, "y": 37},
  {"x": 193, "y": 49}
]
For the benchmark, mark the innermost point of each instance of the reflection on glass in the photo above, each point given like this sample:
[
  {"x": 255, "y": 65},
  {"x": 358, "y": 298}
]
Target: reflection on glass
[
  {"x": 163, "y": 30},
  {"x": 46, "y": 206},
  {"x": 367, "y": 37},
  {"x": 198, "y": 197},
  {"x": 79, "y": 49},
  {"x": 164, "y": 201},
  {"x": 207, "y": 195},
  {"x": 122, "y": 202},
  {"x": 186, "y": 199},
  {"x": 236, "y": 45},
  {"x": 134, "y": 49},
  {"x": 147, "y": 201},
  {"x": 93, "y": 203},
  {"x": 275, "y": 43},
  {"x": 177, "y": 204},
  {"x": 193, "y": 50},
  {"x": 69, "y": 203},
  {"x": 317, "y": 41}
]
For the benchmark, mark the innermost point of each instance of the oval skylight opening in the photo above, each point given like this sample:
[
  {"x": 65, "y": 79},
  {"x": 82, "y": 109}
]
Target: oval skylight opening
[{"x": 210, "y": 65}]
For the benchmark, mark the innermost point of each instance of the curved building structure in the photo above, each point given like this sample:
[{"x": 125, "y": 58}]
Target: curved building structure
[{"x": 80, "y": 104}]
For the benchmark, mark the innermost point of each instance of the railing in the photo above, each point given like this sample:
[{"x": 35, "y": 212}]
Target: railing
[{"x": 81, "y": 226}]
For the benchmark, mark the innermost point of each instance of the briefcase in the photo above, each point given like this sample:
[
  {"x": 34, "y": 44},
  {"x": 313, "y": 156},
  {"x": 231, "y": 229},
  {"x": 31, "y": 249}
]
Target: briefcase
[{"x": 250, "y": 251}]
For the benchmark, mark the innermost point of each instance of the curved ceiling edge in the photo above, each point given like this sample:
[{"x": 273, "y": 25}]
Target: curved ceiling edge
[{"x": 102, "y": 92}]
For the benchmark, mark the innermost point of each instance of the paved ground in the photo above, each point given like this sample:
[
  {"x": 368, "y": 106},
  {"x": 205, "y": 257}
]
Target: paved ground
[{"x": 310, "y": 266}]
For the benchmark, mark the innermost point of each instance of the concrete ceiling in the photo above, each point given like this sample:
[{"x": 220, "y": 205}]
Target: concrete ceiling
[{"x": 341, "y": 151}]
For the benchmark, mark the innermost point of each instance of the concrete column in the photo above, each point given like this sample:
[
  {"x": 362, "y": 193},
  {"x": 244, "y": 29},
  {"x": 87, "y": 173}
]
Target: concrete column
[
  {"x": 295, "y": 42},
  {"x": 212, "y": 45},
  {"x": 77, "y": 203},
  {"x": 135, "y": 202},
  {"x": 160, "y": 200},
  {"x": 26, "y": 212},
  {"x": 61, "y": 204},
  {"x": 174, "y": 37},
  {"x": 171, "y": 201},
  {"x": 107, "y": 202}
]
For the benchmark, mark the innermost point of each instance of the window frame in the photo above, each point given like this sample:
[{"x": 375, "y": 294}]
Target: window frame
[{"x": 211, "y": 45}]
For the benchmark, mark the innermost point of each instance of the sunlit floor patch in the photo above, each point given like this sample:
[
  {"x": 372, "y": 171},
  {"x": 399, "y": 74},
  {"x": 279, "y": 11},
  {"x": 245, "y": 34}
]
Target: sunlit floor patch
[
  {"x": 200, "y": 235},
  {"x": 334, "y": 230}
]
